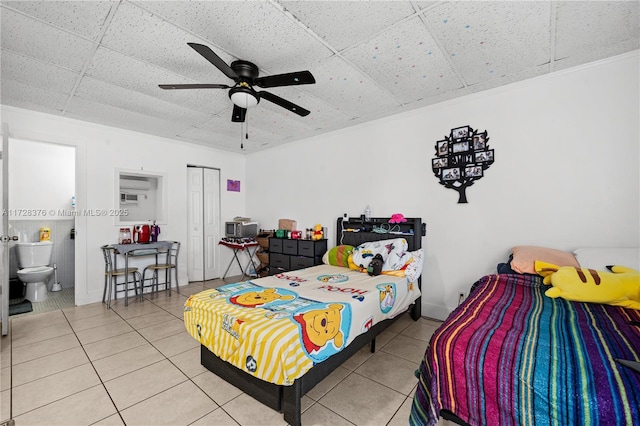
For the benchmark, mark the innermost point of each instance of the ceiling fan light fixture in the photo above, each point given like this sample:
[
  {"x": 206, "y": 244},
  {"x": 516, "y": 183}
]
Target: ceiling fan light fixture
[
  {"x": 246, "y": 75},
  {"x": 244, "y": 97}
]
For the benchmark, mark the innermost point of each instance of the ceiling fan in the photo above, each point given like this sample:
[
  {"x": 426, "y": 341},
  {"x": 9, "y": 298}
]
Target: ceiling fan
[{"x": 245, "y": 74}]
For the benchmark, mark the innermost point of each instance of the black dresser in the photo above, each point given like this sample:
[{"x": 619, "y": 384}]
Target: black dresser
[{"x": 288, "y": 254}]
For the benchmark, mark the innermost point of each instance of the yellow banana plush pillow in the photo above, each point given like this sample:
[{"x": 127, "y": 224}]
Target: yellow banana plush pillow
[{"x": 621, "y": 287}]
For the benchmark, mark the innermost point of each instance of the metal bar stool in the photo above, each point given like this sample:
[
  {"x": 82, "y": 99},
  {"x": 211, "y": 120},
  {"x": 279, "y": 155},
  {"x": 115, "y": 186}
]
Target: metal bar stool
[
  {"x": 170, "y": 264},
  {"x": 111, "y": 277}
]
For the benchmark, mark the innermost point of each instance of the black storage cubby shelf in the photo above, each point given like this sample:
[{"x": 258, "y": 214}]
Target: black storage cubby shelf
[
  {"x": 289, "y": 254},
  {"x": 378, "y": 228}
]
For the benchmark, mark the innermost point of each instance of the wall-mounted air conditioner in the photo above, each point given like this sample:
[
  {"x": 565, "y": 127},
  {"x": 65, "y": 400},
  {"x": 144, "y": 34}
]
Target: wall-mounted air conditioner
[
  {"x": 135, "y": 184},
  {"x": 128, "y": 198}
]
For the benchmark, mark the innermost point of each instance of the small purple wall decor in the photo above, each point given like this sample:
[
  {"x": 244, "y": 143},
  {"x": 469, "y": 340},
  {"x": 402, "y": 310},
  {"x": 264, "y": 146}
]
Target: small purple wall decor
[{"x": 233, "y": 185}]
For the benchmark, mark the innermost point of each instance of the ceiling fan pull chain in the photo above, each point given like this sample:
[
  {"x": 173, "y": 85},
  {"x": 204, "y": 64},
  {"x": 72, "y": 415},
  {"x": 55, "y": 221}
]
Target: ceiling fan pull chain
[{"x": 241, "y": 143}]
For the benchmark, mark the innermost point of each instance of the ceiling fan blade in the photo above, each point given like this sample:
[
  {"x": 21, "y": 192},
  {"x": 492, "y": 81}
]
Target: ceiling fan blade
[
  {"x": 289, "y": 79},
  {"x": 284, "y": 103},
  {"x": 239, "y": 114},
  {"x": 211, "y": 56},
  {"x": 193, "y": 86}
]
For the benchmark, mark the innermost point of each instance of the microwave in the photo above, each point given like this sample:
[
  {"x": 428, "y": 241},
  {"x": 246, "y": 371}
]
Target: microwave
[{"x": 241, "y": 229}]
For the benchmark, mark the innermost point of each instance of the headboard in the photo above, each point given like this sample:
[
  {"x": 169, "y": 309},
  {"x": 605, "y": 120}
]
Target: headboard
[{"x": 355, "y": 231}]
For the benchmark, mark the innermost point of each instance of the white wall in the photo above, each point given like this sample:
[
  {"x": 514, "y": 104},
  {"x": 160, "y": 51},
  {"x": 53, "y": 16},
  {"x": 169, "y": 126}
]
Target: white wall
[
  {"x": 53, "y": 167},
  {"x": 100, "y": 150},
  {"x": 565, "y": 174}
]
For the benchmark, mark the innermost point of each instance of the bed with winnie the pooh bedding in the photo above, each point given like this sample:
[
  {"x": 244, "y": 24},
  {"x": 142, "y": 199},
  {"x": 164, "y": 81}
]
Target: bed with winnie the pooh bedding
[
  {"x": 276, "y": 337},
  {"x": 551, "y": 339}
]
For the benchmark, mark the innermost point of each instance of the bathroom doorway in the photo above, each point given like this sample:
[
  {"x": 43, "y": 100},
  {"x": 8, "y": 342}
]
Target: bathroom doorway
[
  {"x": 4, "y": 234},
  {"x": 42, "y": 188}
]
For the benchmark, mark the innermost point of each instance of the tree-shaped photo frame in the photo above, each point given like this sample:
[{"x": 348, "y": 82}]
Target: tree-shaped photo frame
[{"x": 461, "y": 159}]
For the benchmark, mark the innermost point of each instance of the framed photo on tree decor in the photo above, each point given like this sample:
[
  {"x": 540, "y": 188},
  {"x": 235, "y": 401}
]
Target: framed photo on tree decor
[{"x": 460, "y": 133}]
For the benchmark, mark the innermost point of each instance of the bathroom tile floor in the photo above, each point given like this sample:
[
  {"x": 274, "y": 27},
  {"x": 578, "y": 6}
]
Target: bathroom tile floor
[
  {"x": 137, "y": 365},
  {"x": 55, "y": 300}
]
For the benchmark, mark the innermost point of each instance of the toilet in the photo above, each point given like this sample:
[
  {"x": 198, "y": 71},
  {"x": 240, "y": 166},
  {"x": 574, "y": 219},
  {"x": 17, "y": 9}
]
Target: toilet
[{"x": 34, "y": 270}]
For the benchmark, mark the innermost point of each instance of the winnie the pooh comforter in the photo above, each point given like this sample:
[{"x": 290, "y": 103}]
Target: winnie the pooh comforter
[{"x": 276, "y": 328}]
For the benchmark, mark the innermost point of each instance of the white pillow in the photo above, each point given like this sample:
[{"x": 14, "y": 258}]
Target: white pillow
[
  {"x": 414, "y": 268},
  {"x": 393, "y": 251},
  {"x": 599, "y": 258}
]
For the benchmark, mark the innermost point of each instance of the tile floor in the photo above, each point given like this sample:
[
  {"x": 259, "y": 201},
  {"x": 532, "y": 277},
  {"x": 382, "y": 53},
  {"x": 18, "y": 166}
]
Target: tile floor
[
  {"x": 55, "y": 300},
  {"x": 137, "y": 365}
]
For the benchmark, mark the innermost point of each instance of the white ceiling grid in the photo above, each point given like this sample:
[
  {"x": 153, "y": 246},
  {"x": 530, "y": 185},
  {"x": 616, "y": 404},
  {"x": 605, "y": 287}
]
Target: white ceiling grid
[{"x": 102, "y": 61}]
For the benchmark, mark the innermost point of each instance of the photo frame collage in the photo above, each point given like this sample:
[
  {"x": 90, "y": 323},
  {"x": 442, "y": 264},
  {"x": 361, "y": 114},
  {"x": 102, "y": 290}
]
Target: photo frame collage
[{"x": 464, "y": 154}]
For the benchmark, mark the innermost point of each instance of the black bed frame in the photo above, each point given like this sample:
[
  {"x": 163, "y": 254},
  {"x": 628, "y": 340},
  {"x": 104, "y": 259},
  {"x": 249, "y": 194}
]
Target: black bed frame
[
  {"x": 287, "y": 399},
  {"x": 448, "y": 415}
]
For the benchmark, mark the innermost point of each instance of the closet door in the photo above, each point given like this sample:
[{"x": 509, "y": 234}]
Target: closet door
[
  {"x": 195, "y": 211},
  {"x": 211, "y": 222},
  {"x": 204, "y": 223}
]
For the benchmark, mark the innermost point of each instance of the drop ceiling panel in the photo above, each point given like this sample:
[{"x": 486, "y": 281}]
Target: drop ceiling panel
[
  {"x": 43, "y": 41},
  {"x": 88, "y": 110},
  {"x": 582, "y": 27},
  {"x": 276, "y": 121},
  {"x": 407, "y": 62},
  {"x": 503, "y": 80},
  {"x": 485, "y": 40},
  {"x": 255, "y": 31},
  {"x": 346, "y": 23},
  {"x": 346, "y": 88},
  {"x": 322, "y": 114},
  {"x": 21, "y": 95},
  {"x": 220, "y": 131},
  {"x": 129, "y": 100},
  {"x": 220, "y": 124},
  {"x": 595, "y": 54},
  {"x": 142, "y": 77},
  {"x": 80, "y": 17},
  {"x": 141, "y": 35},
  {"x": 36, "y": 73}
]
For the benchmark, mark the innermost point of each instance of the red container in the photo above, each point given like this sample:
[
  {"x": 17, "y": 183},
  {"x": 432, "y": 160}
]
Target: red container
[{"x": 141, "y": 233}]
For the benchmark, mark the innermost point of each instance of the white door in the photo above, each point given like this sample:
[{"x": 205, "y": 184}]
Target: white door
[
  {"x": 211, "y": 222},
  {"x": 5, "y": 415},
  {"x": 204, "y": 223},
  {"x": 195, "y": 235},
  {"x": 4, "y": 232}
]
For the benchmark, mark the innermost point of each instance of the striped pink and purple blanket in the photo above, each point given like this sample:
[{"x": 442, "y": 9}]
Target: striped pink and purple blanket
[{"x": 509, "y": 355}]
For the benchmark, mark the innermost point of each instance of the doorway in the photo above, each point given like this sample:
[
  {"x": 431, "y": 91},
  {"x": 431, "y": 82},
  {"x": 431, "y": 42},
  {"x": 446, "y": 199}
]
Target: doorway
[
  {"x": 42, "y": 188},
  {"x": 203, "y": 209},
  {"x": 4, "y": 234}
]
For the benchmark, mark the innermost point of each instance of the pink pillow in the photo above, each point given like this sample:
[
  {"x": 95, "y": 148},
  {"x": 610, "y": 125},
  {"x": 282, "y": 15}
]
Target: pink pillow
[{"x": 525, "y": 256}]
